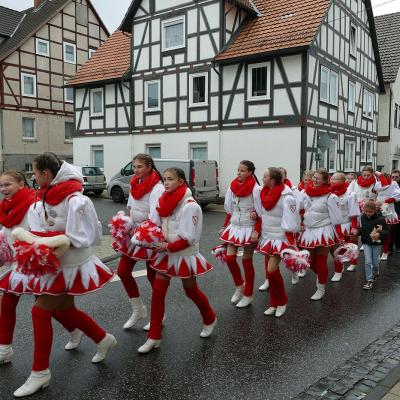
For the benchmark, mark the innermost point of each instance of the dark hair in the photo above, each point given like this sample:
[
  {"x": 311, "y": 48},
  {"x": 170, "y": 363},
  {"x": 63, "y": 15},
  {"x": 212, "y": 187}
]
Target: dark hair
[
  {"x": 48, "y": 161},
  {"x": 284, "y": 171},
  {"x": 324, "y": 173},
  {"x": 395, "y": 171},
  {"x": 276, "y": 175},
  {"x": 251, "y": 167},
  {"x": 180, "y": 174},
  {"x": 18, "y": 176},
  {"x": 368, "y": 168},
  {"x": 148, "y": 160},
  {"x": 370, "y": 205}
]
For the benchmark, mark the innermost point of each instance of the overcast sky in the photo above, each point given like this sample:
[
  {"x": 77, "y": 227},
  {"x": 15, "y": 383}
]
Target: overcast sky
[{"x": 112, "y": 12}]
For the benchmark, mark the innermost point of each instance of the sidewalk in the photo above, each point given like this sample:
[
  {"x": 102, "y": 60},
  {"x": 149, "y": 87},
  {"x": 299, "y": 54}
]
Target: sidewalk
[
  {"x": 105, "y": 252},
  {"x": 388, "y": 389}
]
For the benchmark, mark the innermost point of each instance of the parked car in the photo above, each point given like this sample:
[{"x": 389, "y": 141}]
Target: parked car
[{"x": 202, "y": 178}]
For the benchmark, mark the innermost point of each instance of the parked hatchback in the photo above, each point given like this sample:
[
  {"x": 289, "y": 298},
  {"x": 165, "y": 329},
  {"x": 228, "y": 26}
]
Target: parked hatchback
[
  {"x": 202, "y": 178},
  {"x": 93, "y": 179}
]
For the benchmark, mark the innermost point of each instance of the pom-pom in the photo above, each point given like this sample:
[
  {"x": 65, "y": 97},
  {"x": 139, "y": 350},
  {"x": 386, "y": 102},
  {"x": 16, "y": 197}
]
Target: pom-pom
[
  {"x": 35, "y": 259},
  {"x": 296, "y": 260},
  {"x": 120, "y": 229},
  {"x": 147, "y": 234},
  {"x": 219, "y": 252},
  {"x": 346, "y": 253},
  {"x": 6, "y": 254},
  {"x": 361, "y": 204}
]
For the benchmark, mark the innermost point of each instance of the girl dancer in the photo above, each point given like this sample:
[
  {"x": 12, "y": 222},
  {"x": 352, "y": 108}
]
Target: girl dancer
[
  {"x": 181, "y": 220},
  {"x": 280, "y": 222},
  {"x": 64, "y": 209},
  {"x": 241, "y": 228},
  {"x": 321, "y": 217},
  {"x": 146, "y": 188}
]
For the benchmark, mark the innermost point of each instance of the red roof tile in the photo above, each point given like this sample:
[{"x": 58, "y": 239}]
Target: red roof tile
[
  {"x": 283, "y": 24},
  {"x": 110, "y": 61}
]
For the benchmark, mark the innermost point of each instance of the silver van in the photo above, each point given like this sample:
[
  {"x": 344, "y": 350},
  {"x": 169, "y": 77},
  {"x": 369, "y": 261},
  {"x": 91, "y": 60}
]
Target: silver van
[{"x": 202, "y": 177}]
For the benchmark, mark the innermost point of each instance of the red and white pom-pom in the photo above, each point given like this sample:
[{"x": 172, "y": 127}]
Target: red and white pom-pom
[
  {"x": 361, "y": 204},
  {"x": 35, "y": 259},
  {"x": 147, "y": 234},
  {"x": 6, "y": 254},
  {"x": 346, "y": 253},
  {"x": 296, "y": 260},
  {"x": 219, "y": 252},
  {"x": 120, "y": 229}
]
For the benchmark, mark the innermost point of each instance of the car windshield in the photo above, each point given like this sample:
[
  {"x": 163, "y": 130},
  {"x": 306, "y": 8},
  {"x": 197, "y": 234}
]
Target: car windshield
[{"x": 90, "y": 171}]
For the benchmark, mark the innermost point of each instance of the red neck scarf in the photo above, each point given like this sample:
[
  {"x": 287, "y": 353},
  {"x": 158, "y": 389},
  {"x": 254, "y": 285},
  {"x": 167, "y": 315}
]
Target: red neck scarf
[
  {"x": 169, "y": 200},
  {"x": 365, "y": 182},
  {"x": 301, "y": 186},
  {"x": 313, "y": 191},
  {"x": 13, "y": 211},
  {"x": 339, "y": 188},
  {"x": 385, "y": 181},
  {"x": 270, "y": 196},
  {"x": 141, "y": 187},
  {"x": 243, "y": 189},
  {"x": 54, "y": 195},
  {"x": 288, "y": 183}
]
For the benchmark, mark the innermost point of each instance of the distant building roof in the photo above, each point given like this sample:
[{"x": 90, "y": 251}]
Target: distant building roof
[{"x": 9, "y": 20}]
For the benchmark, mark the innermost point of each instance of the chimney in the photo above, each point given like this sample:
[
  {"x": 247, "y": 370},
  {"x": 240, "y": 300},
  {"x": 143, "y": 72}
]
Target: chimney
[{"x": 37, "y": 3}]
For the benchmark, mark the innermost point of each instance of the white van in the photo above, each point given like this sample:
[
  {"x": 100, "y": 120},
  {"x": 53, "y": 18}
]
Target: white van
[{"x": 202, "y": 177}]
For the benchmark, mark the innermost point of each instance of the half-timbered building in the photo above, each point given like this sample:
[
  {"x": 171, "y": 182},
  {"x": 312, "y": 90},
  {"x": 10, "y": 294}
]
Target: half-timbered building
[
  {"x": 388, "y": 32},
  {"x": 40, "y": 49},
  {"x": 102, "y": 105}
]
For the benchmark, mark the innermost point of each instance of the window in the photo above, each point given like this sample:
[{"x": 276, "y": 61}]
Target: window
[
  {"x": 28, "y": 167},
  {"x": 69, "y": 130},
  {"x": 353, "y": 40},
  {"x": 69, "y": 53},
  {"x": 351, "y": 97},
  {"x": 396, "y": 112},
  {"x": 369, "y": 150},
  {"x": 198, "y": 90},
  {"x": 349, "y": 156},
  {"x": 42, "y": 47},
  {"x": 91, "y": 52},
  {"x": 332, "y": 153},
  {"x": 198, "y": 151},
  {"x": 98, "y": 156},
  {"x": 368, "y": 104},
  {"x": 28, "y": 82},
  {"x": 28, "y": 128},
  {"x": 363, "y": 154},
  {"x": 152, "y": 95},
  {"x": 173, "y": 34},
  {"x": 258, "y": 81},
  {"x": 328, "y": 91},
  {"x": 153, "y": 150},
  {"x": 68, "y": 94},
  {"x": 96, "y": 102}
]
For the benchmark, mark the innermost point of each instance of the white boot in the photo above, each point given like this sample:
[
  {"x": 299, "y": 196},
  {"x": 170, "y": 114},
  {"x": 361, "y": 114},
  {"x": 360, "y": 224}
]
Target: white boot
[
  {"x": 6, "y": 353},
  {"x": 35, "y": 382},
  {"x": 138, "y": 312},
  {"x": 264, "y": 286},
  {"x": 336, "y": 277},
  {"x": 302, "y": 273},
  {"x": 270, "y": 311},
  {"x": 351, "y": 267},
  {"x": 384, "y": 256},
  {"x": 103, "y": 348},
  {"x": 295, "y": 278},
  {"x": 74, "y": 340},
  {"x": 245, "y": 301},
  {"x": 238, "y": 294},
  {"x": 149, "y": 345},
  {"x": 208, "y": 329},
  {"x": 280, "y": 311},
  {"x": 320, "y": 293},
  {"x": 147, "y": 326}
]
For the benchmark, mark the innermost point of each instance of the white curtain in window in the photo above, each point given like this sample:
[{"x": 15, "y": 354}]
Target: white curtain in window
[
  {"x": 42, "y": 47},
  {"x": 154, "y": 152},
  {"x": 174, "y": 35},
  {"x": 28, "y": 127},
  {"x": 69, "y": 53},
  {"x": 333, "y": 89},
  {"x": 97, "y": 102},
  {"x": 324, "y": 84},
  {"x": 199, "y": 153},
  {"x": 152, "y": 95},
  {"x": 28, "y": 85}
]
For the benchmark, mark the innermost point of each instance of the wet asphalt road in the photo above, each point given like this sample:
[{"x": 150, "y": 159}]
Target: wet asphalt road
[{"x": 250, "y": 356}]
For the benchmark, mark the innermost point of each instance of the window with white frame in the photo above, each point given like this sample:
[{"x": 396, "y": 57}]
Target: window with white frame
[
  {"x": 368, "y": 104},
  {"x": 42, "y": 47},
  {"x": 153, "y": 150},
  {"x": 69, "y": 130},
  {"x": 28, "y": 167},
  {"x": 332, "y": 154},
  {"x": 396, "y": 112},
  {"x": 68, "y": 94},
  {"x": 28, "y": 82},
  {"x": 328, "y": 91},
  {"x": 91, "y": 52},
  {"x": 96, "y": 102},
  {"x": 258, "y": 81},
  {"x": 198, "y": 89},
  {"x": 69, "y": 53},
  {"x": 369, "y": 150},
  {"x": 351, "y": 97},
  {"x": 173, "y": 34},
  {"x": 198, "y": 151},
  {"x": 349, "y": 155},
  {"x": 353, "y": 40},
  {"x": 152, "y": 95},
  {"x": 97, "y": 156},
  {"x": 363, "y": 150},
  {"x": 28, "y": 128}
]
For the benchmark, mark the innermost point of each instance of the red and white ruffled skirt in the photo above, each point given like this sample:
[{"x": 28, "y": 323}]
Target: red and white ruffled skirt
[
  {"x": 391, "y": 219},
  {"x": 271, "y": 247},
  {"x": 181, "y": 266},
  {"x": 237, "y": 235},
  {"x": 135, "y": 252},
  {"x": 317, "y": 237},
  {"x": 14, "y": 282}
]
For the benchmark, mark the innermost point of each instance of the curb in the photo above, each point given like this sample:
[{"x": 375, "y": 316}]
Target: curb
[{"x": 385, "y": 386}]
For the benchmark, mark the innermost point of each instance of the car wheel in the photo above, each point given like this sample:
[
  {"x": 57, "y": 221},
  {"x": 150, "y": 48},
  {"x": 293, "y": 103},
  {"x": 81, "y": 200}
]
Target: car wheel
[
  {"x": 117, "y": 195},
  {"x": 98, "y": 192}
]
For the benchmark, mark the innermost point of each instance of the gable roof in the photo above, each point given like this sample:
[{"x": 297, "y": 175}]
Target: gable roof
[
  {"x": 33, "y": 20},
  {"x": 117, "y": 48},
  {"x": 9, "y": 20},
  {"x": 388, "y": 33}
]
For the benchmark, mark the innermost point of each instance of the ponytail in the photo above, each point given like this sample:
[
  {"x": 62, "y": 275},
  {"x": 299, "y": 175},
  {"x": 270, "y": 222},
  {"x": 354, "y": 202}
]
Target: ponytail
[{"x": 251, "y": 167}]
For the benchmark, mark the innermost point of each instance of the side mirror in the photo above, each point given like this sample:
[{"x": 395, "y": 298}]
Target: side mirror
[{"x": 122, "y": 172}]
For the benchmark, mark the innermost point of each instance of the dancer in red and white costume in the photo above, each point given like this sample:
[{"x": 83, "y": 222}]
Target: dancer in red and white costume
[
  {"x": 181, "y": 220},
  {"x": 241, "y": 229},
  {"x": 387, "y": 194},
  {"x": 276, "y": 205},
  {"x": 146, "y": 188},
  {"x": 350, "y": 214},
  {"x": 321, "y": 226},
  {"x": 64, "y": 211}
]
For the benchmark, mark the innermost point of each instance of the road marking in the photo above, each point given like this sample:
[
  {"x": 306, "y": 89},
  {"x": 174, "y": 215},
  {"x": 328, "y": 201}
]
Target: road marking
[{"x": 135, "y": 274}]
